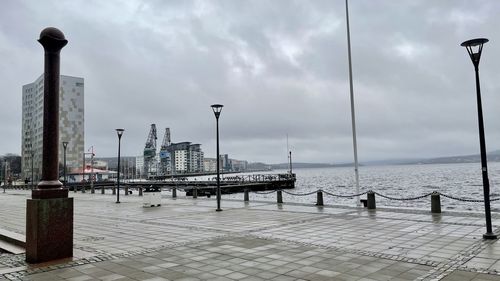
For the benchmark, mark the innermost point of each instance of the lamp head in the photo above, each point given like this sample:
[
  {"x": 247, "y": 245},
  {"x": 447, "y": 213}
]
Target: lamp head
[
  {"x": 119, "y": 132},
  {"x": 217, "y": 108},
  {"x": 65, "y": 144},
  {"x": 474, "y": 48}
]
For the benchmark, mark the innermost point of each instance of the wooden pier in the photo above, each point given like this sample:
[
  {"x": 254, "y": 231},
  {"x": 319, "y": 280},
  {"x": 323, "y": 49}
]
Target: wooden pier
[{"x": 229, "y": 184}]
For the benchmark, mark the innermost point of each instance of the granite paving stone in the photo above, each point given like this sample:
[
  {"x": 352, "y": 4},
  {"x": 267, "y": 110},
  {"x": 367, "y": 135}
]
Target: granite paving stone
[{"x": 185, "y": 239}]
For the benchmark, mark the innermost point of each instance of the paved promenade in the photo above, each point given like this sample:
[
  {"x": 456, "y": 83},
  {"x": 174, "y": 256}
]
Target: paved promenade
[{"x": 185, "y": 239}]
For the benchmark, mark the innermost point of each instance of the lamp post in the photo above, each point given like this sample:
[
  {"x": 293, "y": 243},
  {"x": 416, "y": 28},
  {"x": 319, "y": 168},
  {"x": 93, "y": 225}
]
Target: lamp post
[
  {"x": 217, "y": 108},
  {"x": 119, "y": 132},
  {"x": 32, "y": 154},
  {"x": 65, "y": 145},
  {"x": 474, "y": 48}
]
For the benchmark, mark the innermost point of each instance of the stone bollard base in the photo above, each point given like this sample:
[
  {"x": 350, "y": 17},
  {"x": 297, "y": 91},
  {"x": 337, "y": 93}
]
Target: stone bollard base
[
  {"x": 371, "y": 205},
  {"x": 246, "y": 197},
  {"x": 49, "y": 229},
  {"x": 435, "y": 203},
  {"x": 319, "y": 198}
]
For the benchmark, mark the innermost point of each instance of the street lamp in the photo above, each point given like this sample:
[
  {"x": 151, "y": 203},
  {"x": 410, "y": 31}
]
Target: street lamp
[
  {"x": 217, "y": 108},
  {"x": 32, "y": 154},
  {"x": 474, "y": 48},
  {"x": 119, "y": 132},
  {"x": 65, "y": 145}
]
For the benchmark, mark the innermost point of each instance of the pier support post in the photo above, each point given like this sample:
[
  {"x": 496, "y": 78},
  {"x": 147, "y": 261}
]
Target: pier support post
[
  {"x": 370, "y": 196},
  {"x": 114, "y": 190},
  {"x": 319, "y": 196},
  {"x": 195, "y": 192},
  {"x": 435, "y": 203},
  {"x": 246, "y": 197},
  {"x": 126, "y": 190},
  {"x": 140, "y": 190},
  {"x": 279, "y": 197},
  {"x": 174, "y": 192}
]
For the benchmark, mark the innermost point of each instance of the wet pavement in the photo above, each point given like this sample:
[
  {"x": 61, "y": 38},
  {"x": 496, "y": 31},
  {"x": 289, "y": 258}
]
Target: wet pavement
[{"x": 185, "y": 239}]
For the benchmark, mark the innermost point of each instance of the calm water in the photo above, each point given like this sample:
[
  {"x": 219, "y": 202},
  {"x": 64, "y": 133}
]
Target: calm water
[{"x": 459, "y": 180}]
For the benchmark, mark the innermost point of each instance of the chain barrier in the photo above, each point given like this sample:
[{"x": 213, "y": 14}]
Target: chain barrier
[
  {"x": 363, "y": 193},
  {"x": 264, "y": 192},
  {"x": 403, "y": 199},
  {"x": 299, "y": 194},
  {"x": 465, "y": 199},
  {"x": 343, "y": 196}
]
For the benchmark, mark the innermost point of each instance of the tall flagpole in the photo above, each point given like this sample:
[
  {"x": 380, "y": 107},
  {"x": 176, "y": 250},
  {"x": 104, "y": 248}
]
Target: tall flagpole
[
  {"x": 354, "y": 142},
  {"x": 287, "y": 152}
]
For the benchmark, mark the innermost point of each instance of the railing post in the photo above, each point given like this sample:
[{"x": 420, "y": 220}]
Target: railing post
[
  {"x": 435, "y": 203},
  {"x": 246, "y": 197},
  {"x": 126, "y": 190},
  {"x": 140, "y": 190},
  {"x": 174, "y": 192},
  {"x": 319, "y": 196},
  {"x": 195, "y": 192},
  {"x": 370, "y": 196},
  {"x": 279, "y": 197}
]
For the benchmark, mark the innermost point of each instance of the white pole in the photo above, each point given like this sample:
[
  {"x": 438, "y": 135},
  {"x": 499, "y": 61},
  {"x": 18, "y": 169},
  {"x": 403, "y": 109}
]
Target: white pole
[
  {"x": 354, "y": 142},
  {"x": 287, "y": 152}
]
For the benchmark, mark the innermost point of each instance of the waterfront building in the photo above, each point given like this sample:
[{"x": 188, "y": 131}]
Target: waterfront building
[
  {"x": 185, "y": 157},
  {"x": 139, "y": 165},
  {"x": 238, "y": 165},
  {"x": 210, "y": 165},
  {"x": 71, "y": 124}
]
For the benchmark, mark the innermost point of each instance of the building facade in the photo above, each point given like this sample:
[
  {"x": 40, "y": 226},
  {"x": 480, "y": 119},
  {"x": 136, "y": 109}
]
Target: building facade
[
  {"x": 71, "y": 124},
  {"x": 185, "y": 157}
]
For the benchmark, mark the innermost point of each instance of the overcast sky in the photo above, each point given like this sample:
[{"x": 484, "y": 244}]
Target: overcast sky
[{"x": 279, "y": 67}]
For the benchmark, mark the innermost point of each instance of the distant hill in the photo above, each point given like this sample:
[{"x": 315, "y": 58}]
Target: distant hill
[
  {"x": 308, "y": 165},
  {"x": 493, "y": 156}
]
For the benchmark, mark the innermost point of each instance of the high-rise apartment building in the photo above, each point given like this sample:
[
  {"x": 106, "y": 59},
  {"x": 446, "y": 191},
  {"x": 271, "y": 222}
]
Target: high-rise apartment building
[
  {"x": 186, "y": 157},
  {"x": 71, "y": 124}
]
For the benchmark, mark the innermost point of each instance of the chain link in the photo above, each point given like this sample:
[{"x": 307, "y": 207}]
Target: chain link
[
  {"x": 299, "y": 194},
  {"x": 403, "y": 199},
  {"x": 464, "y": 199},
  {"x": 264, "y": 192},
  {"x": 344, "y": 196}
]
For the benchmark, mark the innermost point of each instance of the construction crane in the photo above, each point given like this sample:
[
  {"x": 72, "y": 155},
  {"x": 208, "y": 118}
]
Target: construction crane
[
  {"x": 150, "y": 151},
  {"x": 165, "y": 156}
]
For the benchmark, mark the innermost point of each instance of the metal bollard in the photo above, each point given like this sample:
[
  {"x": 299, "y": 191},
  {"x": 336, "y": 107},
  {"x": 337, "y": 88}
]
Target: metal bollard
[
  {"x": 435, "y": 203},
  {"x": 370, "y": 196},
  {"x": 140, "y": 191},
  {"x": 174, "y": 192},
  {"x": 279, "y": 197},
  {"x": 83, "y": 188},
  {"x": 246, "y": 196},
  {"x": 319, "y": 198},
  {"x": 102, "y": 190},
  {"x": 114, "y": 190},
  {"x": 92, "y": 190},
  {"x": 126, "y": 190},
  {"x": 195, "y": 193}
]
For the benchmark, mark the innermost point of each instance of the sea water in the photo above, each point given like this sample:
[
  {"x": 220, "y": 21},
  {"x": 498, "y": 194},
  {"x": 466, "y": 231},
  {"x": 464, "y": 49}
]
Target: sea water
[{"x": 462, "y": 180}]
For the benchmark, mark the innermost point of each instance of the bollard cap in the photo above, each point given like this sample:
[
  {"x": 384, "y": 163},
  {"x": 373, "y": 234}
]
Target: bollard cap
[{"x": 52, "y": 39}]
